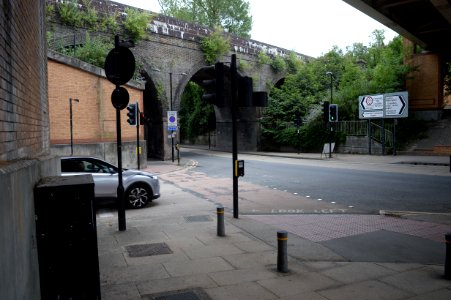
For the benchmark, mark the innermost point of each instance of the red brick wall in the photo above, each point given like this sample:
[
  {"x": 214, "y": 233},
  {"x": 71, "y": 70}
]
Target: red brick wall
[
  {"x": 93, "y": 117},
  {"x": 23, "y": 95}
]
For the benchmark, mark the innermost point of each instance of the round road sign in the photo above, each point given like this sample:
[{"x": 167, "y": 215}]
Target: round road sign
[
  {"x": 120, "y": 65},
  {"x": 120, "y": 97}
]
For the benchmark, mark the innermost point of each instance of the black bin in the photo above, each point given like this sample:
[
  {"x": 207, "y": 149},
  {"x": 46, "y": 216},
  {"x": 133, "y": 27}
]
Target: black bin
[{"x": 67, "y": 238}]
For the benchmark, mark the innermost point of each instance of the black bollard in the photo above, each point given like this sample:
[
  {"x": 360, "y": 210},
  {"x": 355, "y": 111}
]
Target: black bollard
[
  {"x": 220, "y": 213},
  {"x": 282, "y": 255},
  {"x": 448, "y": 256}
]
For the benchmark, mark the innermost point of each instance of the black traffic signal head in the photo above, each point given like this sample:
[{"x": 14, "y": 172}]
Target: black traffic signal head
[
  {"x": 246, "y": 95},
  {"x": 333, "y": 113},
  {"x": 214, "y": 88},
  {"x": 326, "y": 111},
  {"x": 132, "y": 114}
]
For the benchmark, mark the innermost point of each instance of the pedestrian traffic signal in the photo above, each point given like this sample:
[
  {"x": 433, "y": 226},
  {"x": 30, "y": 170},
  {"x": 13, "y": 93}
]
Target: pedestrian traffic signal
[
  {"x": 214, "y": 88},
  {"x": 132, "y": 114},
  {"x": 326, "y": 111},
  {"x": 333, "y": 113}
]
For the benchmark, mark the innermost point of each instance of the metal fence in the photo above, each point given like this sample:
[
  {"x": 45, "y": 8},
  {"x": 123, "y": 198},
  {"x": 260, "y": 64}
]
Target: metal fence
[{"x": 382, "y": 133}]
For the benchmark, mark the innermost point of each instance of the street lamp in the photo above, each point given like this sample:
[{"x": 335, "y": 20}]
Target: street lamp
[
  {"x": 170, "y": 93},
  {"x": 328, "y": 113},
  {"x": 71, "y": 131},
  {"x": 331, "y": 84}
]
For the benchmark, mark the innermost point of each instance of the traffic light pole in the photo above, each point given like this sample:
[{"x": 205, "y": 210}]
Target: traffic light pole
[
  {"x": 233, "y": 79},
  {"x": 137, "y": 139},
  {"x": 120, "y": 186}
]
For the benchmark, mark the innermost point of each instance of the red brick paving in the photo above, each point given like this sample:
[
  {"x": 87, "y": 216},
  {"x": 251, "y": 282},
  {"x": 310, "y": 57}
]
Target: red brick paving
[{"x": 325, "y": 227}]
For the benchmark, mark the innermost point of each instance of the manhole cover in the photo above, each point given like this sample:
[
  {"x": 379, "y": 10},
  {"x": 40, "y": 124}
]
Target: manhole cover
[
  {"x": 148, "y": 249},
  {"x": 189, "y": 294},
  {"x": 203, "y": 218}
]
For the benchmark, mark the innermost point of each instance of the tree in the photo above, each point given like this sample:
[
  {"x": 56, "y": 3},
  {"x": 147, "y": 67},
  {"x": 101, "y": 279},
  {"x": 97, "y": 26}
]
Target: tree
[
  {"x": 232, "y": 15},
  {"x": 362, "y": 70},
  {"x": 196, "y": 117}
]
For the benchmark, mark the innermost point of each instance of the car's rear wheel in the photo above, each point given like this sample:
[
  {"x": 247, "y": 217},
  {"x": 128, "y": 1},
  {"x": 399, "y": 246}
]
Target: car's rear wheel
[{"x": 138, "y": 195}]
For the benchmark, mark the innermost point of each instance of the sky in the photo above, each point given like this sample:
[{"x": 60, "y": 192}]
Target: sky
[{"x": 309, "y": 27}]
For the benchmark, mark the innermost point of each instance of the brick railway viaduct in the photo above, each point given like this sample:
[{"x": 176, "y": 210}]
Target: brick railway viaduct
[{"x": 171, "y": 56}]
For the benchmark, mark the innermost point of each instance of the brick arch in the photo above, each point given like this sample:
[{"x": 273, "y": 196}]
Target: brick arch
[{"x": 173, "y": 46}]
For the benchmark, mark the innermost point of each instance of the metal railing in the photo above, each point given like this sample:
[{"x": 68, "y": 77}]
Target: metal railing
[{"x": 379, "y": 133}]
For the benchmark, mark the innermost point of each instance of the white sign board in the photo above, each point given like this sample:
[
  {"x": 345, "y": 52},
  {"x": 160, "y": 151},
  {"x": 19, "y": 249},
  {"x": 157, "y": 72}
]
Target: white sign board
[
  {"x": 172, "y": 120},
  {"x": 392, "y": 105}
]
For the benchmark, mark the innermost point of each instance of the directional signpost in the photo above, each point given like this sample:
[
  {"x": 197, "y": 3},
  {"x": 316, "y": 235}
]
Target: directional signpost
[
  {"x": 393, "y": 105},
  {"x": 384, "y": 106}
]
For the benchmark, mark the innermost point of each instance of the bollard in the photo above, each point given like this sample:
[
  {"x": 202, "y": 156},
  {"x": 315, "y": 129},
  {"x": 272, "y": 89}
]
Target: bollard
[
  {"x": 220, "y": 213},
  {"x": 448, "y": 256},
  {"x": 282, "y": 256}
]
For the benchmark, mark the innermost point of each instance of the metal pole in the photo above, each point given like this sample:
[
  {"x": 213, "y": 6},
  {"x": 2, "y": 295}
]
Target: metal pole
[
  {"x": 448, "y": 256},
  {"x": 395, "y": 122},
  {"x": 137, "y": 136},
  {"x": 383, "y": 136},
  {"x": 282, "y": 255},
  {"x": 120, "y": 187},
  {"x": 172, "y": 132},
  {"x": 220, "y": 216},
  {"x": 330, "y": 125},
  {"x": 369, "y": 137},
  {"x": 71, "y": 135},
  {"x": 233, "y": 78}
]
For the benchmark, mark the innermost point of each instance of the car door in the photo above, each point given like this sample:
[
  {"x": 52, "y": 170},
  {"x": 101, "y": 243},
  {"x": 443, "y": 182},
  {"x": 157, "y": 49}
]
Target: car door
[{"x": 105, "y": 179}]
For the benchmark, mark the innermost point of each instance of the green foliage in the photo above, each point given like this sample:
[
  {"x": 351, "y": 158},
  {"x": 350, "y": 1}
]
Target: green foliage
[
  {"x": 215, "y": 45},
  {"x": 196, "y": 117},
  {"x": 263, "y": 58},
  {"x": 93, "y": 51},
  {"x": 89, "y": 17},
  {"x": 109, "y": 23},
  {"x": 136, "y": 23},
  {"x": 362, "y": 70},
  {"x": 70, "y": 14},
  {"x": 232, "y": 15},
  {"x": 293, "y": 63},
  {"x": 278, "y": 64},
  {"x": 244, "y": 65}
]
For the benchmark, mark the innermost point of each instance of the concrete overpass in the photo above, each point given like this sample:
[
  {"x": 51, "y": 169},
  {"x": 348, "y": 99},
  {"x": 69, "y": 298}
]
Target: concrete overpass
[{"x": 424, "y": 22}]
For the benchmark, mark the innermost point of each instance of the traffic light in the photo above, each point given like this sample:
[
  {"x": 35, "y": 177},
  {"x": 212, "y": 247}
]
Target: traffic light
[
  {"x": 142, "y": 118},
  {"x": 214, "y": 88},
  {"x": 333, "y": 113},
  {"x": 246, "y": 95},
  {"x": 326, "y": 111},
  {"x": 245, "y": 89},
  {"x": 132, "y": 114}
]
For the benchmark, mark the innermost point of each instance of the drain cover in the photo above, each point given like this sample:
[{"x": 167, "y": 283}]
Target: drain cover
[
  {"x": 189, "y": 294},
  {"x": 202, "y": 218},
  {"x": 148, "y": 249}
]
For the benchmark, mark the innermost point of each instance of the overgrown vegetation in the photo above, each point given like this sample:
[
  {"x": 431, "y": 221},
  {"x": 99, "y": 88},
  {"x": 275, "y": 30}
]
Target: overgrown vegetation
[
  {"x": 362, "y": 70},
  {"x": 196, "y": 117},
  {"x": 94, "y": 48},
  {"x": 215, "y": 45}
]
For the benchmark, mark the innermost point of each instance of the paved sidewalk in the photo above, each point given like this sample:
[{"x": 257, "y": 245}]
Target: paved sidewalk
[{"x": 171, "y": 250}]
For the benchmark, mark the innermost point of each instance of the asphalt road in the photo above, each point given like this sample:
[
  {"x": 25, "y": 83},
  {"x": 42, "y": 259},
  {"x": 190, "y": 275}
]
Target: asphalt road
[{"x": 362, "y": 189}]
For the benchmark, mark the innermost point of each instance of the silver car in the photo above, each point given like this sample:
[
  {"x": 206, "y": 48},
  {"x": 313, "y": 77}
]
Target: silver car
[{"x": 139, "y": 187}]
